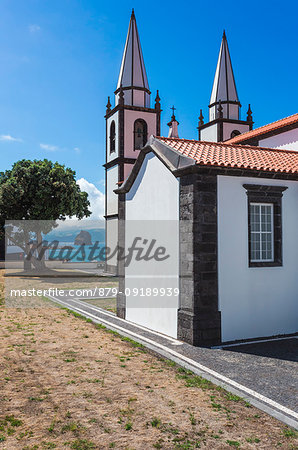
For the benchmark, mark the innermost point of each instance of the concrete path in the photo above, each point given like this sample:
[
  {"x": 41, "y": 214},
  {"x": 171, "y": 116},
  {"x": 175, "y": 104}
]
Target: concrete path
[{"x": 263, "y": 373}]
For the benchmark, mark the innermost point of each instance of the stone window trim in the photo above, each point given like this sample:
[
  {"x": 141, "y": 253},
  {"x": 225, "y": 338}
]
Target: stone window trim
[{"x": 267, "y": 194}]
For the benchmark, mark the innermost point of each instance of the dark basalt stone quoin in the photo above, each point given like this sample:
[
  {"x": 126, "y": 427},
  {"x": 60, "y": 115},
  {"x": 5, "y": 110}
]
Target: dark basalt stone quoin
[{"x": 199, "y": 321}]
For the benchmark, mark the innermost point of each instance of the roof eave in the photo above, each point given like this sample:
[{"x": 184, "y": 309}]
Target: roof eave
[{"x": 261, "y": 133}]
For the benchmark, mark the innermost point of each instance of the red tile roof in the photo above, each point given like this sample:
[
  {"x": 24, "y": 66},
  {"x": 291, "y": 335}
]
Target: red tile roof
[
  {"x": 264, "y": 129},
  {"x": 237, "y": 156}
]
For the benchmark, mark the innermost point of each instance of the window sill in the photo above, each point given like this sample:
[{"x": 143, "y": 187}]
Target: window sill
[{"x": 266, "y": 264}]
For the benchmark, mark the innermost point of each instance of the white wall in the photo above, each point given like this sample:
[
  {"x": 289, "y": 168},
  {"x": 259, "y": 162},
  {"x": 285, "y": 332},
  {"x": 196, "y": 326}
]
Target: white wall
[
  {"x": 112, "y": 198},
  {"x": 229, "y": 127},
  {"x": 255, "y": 302},
  {"x": 287, "y": 140},
  {"x": 152, "y": 212},
  {"x": 112, "y": 239},
  {"x": 209, "y": 134},
  {"x": 140, "y": 98},
  {"x": 154, "y": 194},
  {"x": 233, "y": 111}
]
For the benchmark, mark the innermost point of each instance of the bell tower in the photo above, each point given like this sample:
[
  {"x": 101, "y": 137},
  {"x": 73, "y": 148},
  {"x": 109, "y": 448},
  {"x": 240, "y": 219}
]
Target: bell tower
[
  {"x": 129, "y": 125},
  {"x": 224, "y": 109}
]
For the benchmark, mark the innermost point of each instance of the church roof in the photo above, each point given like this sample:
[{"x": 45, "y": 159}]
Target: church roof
[
  {"x": 271, "y": 127},
  {"x": 133, "y": 72},
  {"x": 224, "y": 87},
  {"x": 236, "y": 156},
  {"x": 179, "y": 154}
]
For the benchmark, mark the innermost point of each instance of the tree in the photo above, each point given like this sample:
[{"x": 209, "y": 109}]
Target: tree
[{"x": 43, "y": 191}]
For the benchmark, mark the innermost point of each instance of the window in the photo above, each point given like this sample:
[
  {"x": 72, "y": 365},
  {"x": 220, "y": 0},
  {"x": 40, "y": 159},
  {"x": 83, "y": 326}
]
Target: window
[
  {"x": 112, "y": 137},
  {"x": 264, "y": 225},
  {"x": 235, "y": 133},
  {"x": 261, "y": 232},
  {"x": 140, "y": 134}
]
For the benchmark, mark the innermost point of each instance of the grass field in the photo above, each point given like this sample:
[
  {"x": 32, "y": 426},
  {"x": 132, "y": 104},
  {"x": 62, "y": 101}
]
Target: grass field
[{"x": 69, "y": 384}]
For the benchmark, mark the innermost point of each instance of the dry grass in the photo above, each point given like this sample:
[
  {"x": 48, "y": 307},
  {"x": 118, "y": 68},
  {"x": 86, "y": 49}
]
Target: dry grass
[{"x": 67, "y": 383}]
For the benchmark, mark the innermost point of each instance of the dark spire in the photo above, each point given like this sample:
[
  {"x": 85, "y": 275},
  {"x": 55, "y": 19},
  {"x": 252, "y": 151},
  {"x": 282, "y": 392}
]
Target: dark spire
[
  {"x": 108, "y": 106},
  {"x": 157, "y": 101},
  {"x": 224, "y": 34},
  {"x": 249, "y": 114},
  {"x": 158, "y": 112},
  {"x": 201, "y": 119},
  {"x": 249, "y": 118}
]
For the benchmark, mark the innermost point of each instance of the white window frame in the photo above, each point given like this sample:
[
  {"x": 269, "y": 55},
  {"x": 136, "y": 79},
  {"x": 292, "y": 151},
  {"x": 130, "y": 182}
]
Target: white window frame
[{"x": 261, "y": 233}]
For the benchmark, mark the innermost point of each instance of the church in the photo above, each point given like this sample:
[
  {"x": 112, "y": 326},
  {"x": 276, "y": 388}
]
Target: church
[{"x": 225, "y": 207}]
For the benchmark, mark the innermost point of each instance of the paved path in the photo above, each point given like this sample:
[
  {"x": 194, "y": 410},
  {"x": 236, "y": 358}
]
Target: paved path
[{"x": 264, "y": 373}]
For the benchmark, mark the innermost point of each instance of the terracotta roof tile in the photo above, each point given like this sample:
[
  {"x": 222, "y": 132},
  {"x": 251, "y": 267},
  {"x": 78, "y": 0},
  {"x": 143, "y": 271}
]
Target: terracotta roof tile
[
  {"x": 234, "y": 155},
  {"x": 264, "y": 129}
]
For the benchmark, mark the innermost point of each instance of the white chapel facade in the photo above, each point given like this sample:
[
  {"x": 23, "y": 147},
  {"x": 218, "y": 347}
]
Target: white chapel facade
[{"x": 226, "y": 205}]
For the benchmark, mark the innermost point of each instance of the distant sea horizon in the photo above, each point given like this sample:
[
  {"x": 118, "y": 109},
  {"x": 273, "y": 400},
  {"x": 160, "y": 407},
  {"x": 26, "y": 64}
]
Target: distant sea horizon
[{"x": 67, "y": 237}]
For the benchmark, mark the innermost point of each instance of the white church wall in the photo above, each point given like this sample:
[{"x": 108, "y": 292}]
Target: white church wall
[
  {"x": 129, "y": 119},
  {"x": 209, "y": 134},
  {"x": 112, "y": 239},
  {"x": 229, "y": 127},
  {"x": 127, "y": 97},
  {"x": 255, "y": 302},
  {"x": 233, "y": 111},
  {"x": 113, "y": 155},
  {"x": 112, "y": 198},
  {"x": 138, "y": 98},
  {"x": 212, "y": 113},
  {"x": 152, "y": 212},
  {"x": 287, "y": 140}
]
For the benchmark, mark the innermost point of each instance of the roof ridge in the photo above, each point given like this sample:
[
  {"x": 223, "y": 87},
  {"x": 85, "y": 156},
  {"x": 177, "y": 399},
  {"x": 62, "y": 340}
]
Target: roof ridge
[{"x": 176, "y": 139}]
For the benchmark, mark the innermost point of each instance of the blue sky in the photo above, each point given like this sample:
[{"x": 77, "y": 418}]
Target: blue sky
[{"x": 60, "y": 59}]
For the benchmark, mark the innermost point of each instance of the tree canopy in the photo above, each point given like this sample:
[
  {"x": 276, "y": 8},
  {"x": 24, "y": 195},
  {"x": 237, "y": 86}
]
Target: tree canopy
[{"x": 41, "y": 190}]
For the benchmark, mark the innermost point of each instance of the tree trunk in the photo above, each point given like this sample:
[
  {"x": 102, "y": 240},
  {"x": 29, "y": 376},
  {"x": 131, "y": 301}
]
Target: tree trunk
[
  {"x": 27, "y": 255},
  {"x": 39, "y": 262}
]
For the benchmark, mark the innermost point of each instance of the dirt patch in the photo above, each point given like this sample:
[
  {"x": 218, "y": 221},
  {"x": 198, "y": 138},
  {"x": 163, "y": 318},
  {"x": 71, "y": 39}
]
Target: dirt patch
[
  {"x": 30, "y": 292},
  {"x": 67, "y": 383}
]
